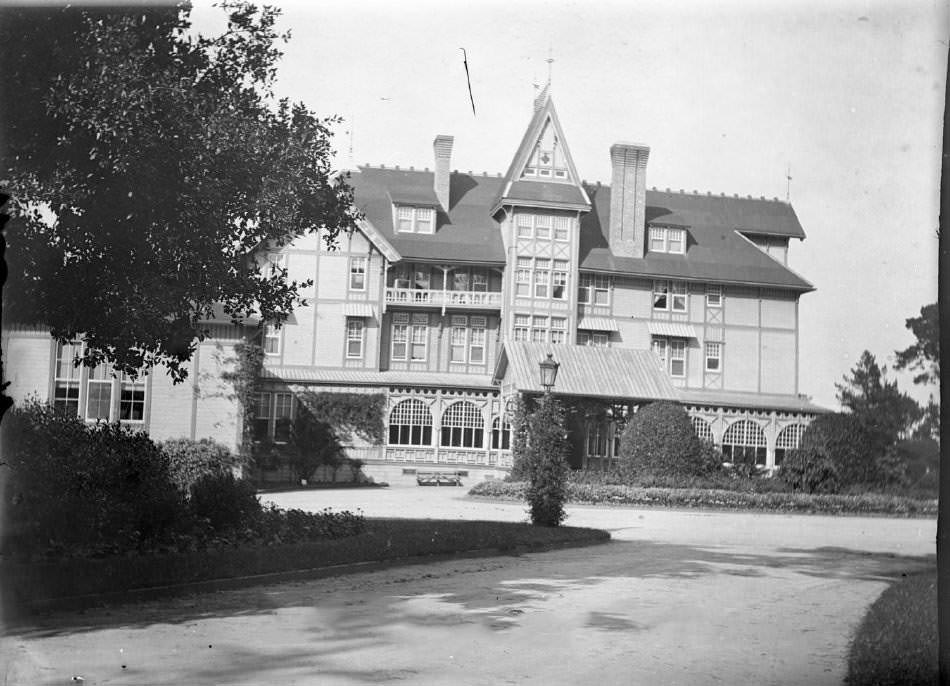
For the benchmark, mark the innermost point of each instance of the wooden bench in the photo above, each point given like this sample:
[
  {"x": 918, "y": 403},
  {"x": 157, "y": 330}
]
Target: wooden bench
[{"x": 439, "y": 478}]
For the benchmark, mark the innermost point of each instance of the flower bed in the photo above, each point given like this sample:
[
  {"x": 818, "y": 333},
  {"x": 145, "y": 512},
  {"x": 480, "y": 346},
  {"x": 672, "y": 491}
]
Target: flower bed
[{"x": 599, "y": 494}]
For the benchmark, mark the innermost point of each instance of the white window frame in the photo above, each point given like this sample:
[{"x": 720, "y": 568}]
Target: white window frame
[
  {"x": 542, "y": 278},
  {"x": 713, "y": 295},
  {"x": 672, "y": 352},
  {"x": 413, "y": 219},
  {"x": 355, "y": 333},
  {"x": 419, "y": 336},
  {"x": 559, "y": 279},
  {"x": 713, "y": 352},
  {"x": 272, "y": 338},
  {"x": 539, "y": 328},
  {"x": 521, "y": 327},
  {"x": 458, "y": 340},
  {"x": 562, "y": 228},
  {"x": 665, "y": 239},
  {"x": 71, "y": 382},
  {"x": 125, "y": 395},
  {"x": 358, "y": 270},
  {"x": 270, "y": 407},
  {"x": 597, "y": 290},
  {"x": 675, "y": 296},
  {"x": 558, "y": 335},
  {"x": 462, "y": 426},
  {"x": 477, "y": 339},
  {"x": 412, "y": 421},
  {"x": 399, "y": 336}
]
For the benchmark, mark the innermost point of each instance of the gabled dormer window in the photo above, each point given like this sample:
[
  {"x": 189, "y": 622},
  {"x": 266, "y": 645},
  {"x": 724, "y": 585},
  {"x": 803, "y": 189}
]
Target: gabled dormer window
[
  {"x": 410, "y": 219},
  {"x": 667, "y": 239}
]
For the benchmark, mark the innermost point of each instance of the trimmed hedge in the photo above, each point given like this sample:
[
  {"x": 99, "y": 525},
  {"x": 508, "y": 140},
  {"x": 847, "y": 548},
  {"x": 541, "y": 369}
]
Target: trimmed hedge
[
  {"x": 29, "y": 585},
  {"x": 592, "y": 494},
  {"x": 659, "y": 439},
  {"x": 189, "y": 460}
]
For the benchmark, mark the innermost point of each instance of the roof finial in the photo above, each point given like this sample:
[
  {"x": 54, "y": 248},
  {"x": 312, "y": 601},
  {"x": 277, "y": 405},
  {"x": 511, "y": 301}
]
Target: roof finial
[
  {"x": 550, "y": 61},
  {"x": 788, "y": 183}
]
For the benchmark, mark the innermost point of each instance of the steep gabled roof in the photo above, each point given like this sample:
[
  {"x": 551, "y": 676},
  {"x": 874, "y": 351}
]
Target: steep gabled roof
[
  {"x": 466, "y": 233},
  {"x": 516, "y": 189},
  {"x": 715, "y": 249}
]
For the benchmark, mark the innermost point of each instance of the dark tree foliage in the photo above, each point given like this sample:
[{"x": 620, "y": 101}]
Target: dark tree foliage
[
  {"x": 313, "y": 443},
  {"x": 924, "y": 354},
  {"x": 810, "y": 470},
  {"x": 660, "y": 441},
  {"x": 545, "y": 463},
  {"x": 846, "y": 442},
  {"x": 518, "y": 419},
  {"x": 149, "y": 168},
  {"x": 877, "y": 403}
]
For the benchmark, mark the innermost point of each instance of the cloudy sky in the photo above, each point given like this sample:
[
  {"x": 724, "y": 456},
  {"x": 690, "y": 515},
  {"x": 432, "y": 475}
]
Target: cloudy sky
[{"x": 848, "y": 94}]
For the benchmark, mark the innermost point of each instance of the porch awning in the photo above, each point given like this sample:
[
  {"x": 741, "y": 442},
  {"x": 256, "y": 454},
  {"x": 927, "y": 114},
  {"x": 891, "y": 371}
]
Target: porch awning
[
  {"x": 598, "y": 324},
  {"x": 674, "y": 329},
  {"x": 358, "y": 310}
]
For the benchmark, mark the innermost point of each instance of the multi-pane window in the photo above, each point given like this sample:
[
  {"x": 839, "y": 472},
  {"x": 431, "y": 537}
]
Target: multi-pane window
[
  {"x": 594, "y": 289},
  {"x": 275, "y": 261},
  {"x": 410, "y": 336},
  {"x": 462, "y": 426},
  {"x": 99, "y": 393},
  {"x": 459, "y": 340},
  {"x": 713, "y": 295},
  {"x": 667, "y": 239},
  {"x": 479, "y": 281},
  {"x": 744, "y": 441},
  {"x": 702, "y": 429},
  {"x": 559, "y": 280},
  {"x": 273, "y": 417},
  {"x": 597, "y": 434},
  {"x": 522, "y": 325},
  {"x": 271, "y": 339},
  {"x": 669, "y": 295},
  {"x": 558, "y": 330},
  {"x": 593, "y": 338},
  {"x": 542, "y": 226},
  {"x": 410, "y": 423},
  {"x": 355, "y": 331},
  {"x": 132, "y": 399},
  {"x": 542, "y": 275},
  {"x": 672, "y": 354},
  {"x": 713, "y": 357},
  {"x": 357, "y": 273},
  {"x": 476, "y": 348},
  {"x": 539, "y": 329},
  {"x": 500, "y": 434},
  {"x": 414, "y": 219},
  {"x": 789, "y": 439},
  {"x": 66, "y": 379},
  {"x": 523, "y": 277},
  {"x": 422, "y": 278},
  {"x": 460, "y": 280}
]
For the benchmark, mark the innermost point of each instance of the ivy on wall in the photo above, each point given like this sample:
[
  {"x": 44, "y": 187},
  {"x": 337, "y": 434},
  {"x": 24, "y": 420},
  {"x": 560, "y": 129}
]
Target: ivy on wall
[
  {"x": 349, "y": 414},
  {"x": 246, "y": 380},
  {"x": 517, "y": 413}
]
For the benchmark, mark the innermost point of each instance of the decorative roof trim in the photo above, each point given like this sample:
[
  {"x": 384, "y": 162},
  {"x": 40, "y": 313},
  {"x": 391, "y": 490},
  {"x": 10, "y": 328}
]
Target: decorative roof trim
[{"x": 377, "y": 239}]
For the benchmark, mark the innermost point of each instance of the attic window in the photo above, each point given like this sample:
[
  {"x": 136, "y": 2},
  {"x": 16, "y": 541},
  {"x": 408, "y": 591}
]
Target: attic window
[
  {"x": 667, "y": 239},
  {"x": 547, "y": 160},
  {"x": 411, "y": 219}
]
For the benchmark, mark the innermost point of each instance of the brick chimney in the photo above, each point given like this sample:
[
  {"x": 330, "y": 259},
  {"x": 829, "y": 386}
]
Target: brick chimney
[
  {"x": 443, "y": 159},
  {"x": 628, "y": 199}
]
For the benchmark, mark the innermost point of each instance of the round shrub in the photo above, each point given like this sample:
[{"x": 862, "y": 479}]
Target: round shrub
[
  {"x": 847, "y": 444},
  {"x": 810, "y": 471},
  {"x": 660, "y": 441},
  {"x": 190, "y": 460},
  {"x": 227, "y": 503}
]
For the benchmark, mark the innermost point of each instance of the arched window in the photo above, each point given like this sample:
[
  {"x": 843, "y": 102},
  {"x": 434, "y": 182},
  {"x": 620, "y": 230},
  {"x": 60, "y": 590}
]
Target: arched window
[
  {"x": 462, "y": 426},
  {"x": 744, "y": 441},
  {"x": 500, "y": 434},
  {"x": 410, "y": 423},
  {"x": 702, "y": 429},
  {"x": 789, "y": 439}
]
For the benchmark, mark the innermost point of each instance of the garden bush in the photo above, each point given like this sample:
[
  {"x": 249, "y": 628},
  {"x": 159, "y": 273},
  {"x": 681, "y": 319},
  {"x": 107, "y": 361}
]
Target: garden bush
[
  {"x": 226, "y": 503},
  {"x": 810, "y": 471},
  {"x": 189, "y": 460},
  {"x": 659, "y": 440},
  {"x": 545, "y": 463},
  {"x": 843, "y": 440},
  {"x": 85, "y": 489}
]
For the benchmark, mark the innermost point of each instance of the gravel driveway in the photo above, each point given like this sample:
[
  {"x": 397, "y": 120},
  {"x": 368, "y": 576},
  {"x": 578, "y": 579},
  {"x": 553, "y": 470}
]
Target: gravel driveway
[{"x": 676, "y": 598}]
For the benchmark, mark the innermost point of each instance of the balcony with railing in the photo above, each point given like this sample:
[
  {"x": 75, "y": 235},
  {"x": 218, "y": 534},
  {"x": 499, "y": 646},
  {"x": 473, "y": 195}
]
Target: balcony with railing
[{"x": 424, "y": 297}]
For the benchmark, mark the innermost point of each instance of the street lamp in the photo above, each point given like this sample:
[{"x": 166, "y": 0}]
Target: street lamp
[{"x": 548, "y": 372}]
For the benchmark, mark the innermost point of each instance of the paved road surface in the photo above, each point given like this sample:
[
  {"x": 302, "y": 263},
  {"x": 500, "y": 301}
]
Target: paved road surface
[{"x": 676, "y": 598}]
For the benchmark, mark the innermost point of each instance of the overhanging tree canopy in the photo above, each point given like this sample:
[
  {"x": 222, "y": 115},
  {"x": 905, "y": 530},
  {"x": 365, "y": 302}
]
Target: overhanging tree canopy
[{"x": 148, "y": 167}]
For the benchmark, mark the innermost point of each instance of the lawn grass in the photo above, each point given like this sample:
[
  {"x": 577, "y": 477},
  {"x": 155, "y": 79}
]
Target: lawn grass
[
  {"x": 719, "y": 499},
  {"x": 82, "y": 581},
  {"x": 896, "y": 643}
]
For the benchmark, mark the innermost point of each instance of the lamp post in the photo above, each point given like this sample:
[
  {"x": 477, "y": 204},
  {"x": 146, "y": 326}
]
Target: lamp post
[{"x": 548, "y": 372}]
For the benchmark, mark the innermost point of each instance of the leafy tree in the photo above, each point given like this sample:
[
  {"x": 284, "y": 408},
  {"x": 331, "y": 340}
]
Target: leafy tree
[
  {"x": 313, "y": 443},
  {"x": 877, "y": 403},
  {"x": 924, "y": 354},
  {"x": 150, "y": 168},
  {"x": 545, "y": 463},
  {"x": 845, "y": 441}
]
